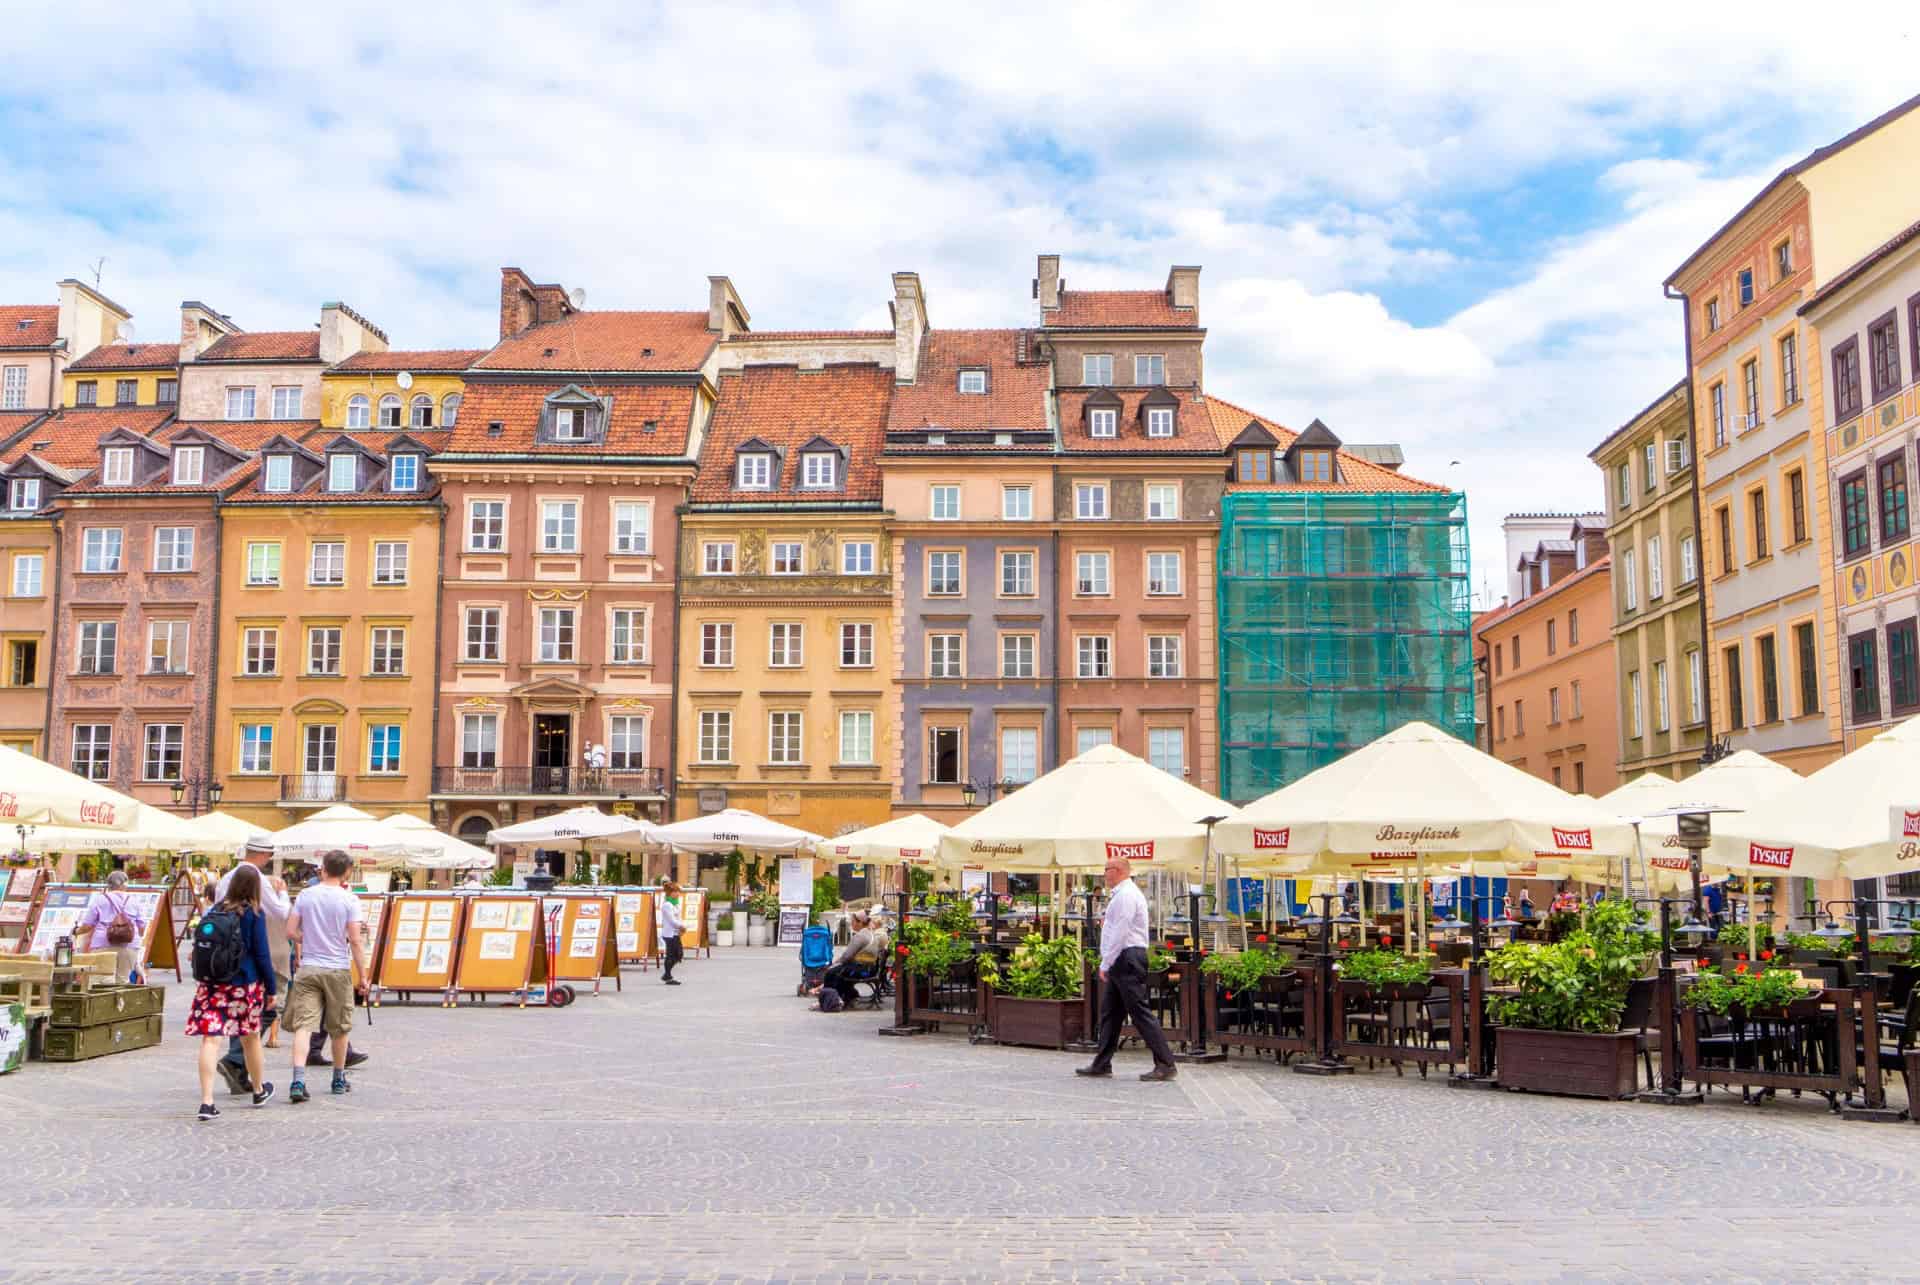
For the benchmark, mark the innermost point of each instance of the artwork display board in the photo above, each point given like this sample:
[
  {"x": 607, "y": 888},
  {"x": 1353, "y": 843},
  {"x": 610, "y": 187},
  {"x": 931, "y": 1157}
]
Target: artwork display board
[
  {"x": 373, "y": 909},
  {"x": 64, "y": 905},
  {"x": 633, "y": 927},
  {"x": 503, "y": 946},
  {"x": 584, "y": 933},
  {"x": 183, "y": 901},
  {"x": 422, "y": 939},
  {"x": 693, "y": 920},
  {"x": 20, "y": 889}
]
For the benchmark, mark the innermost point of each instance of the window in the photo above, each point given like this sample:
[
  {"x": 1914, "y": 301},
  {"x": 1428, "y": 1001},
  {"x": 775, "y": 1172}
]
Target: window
[
  {"x": 1556, "y": 776},
  {"x": 1649, "y": 459},
  {"x": 1573, "y": 626},
  {"x": 783, "y": 736},
  {"x": 1713, "y": 314},
  {"x": 1846, "y": 379},
  {"x": 100, "y": 549},
  {"x": 1783, "y": 260},
  {"x": 1696, "y": 687},
  {"x": 1750, "y": 395},
  {"x": 1316, "y": 466},
  {"x": 716, "y": 644},
  {"x": 261, "y": 652},
  {"x": 560, "y": 526},
  {"x": 383, "y": 747},
  {"x": 1863, "y": 675},
  {"x": 13, "y": 388},
  {"x": 785, "y": 641},
  {"x": 1769, "y": 679},
  {"x": 856, "y": 736},
  {"x": 1096, "y": 368},
  {"x": 1159, "y": 421},
  {"x": 483, "y": 634},
  {"x": 943, "y": 756},
  {"x": 1553, "y": 706},
  {"x": 1103, "y": 421},
  {"x": 189, "y": 465},
  {"x": 1679, "y": 453},
  {"x": 23, "y": 663},
  {"x": 322, "y": 757},
  {"x": 1656, "y": 572},
  {"x": 29, "y": 578},
  {"x": 1630, "y": 579},
  {"x": 1883, "y": 356},
  {"x": 1806, "y": 655},
  {"x": 1519, "y": 718},
  {"x": 1856, "y": 527},
  {"x": 420, "y": 411},
  {"x": 166, "y": 744},
  {"x": 1149, "y": 371},
  {"x": 1163, "y": 502},
  {"x": 1016, "y": 573},
  {"x": 240, "y": 403},
  {"x": 93, "y": 751},
  {"x": 1903, "y": 666},
  {"x": 358, "y": 411},
  {"x": 390, "y": 562},
  {"x": 1797, "y": 504},
  {"x": 24, "y": 495},
  {"x": 627, "y": 636},
  {"x": 404, "y": 473},
  {"x": 1689, "y": 561},
  {"x": 1167, "y": 749},
  {"x": 716, "y": 736},
  {"x": 856, "y": 558},
  {"x": 99, "y": 646},
  {"x": 279, "y": 473},
  {"x": 167, "y": 646},
  {"x": 286, "y": 403},
  {"x": 1662, "y": 710},
  {"x": 856, "y": 645},
  {"x": 479, "y": 740},
  {"x": 556, "y": 634},
  {"x": 1086, "y": 738},
  {"x": 486, "y": 526},
  {"x": 1736, "y": 693},
  {"x": 716, "y": 557},
  {"x": 173, "y": 548},
  {"x": 787, "y": 558},
  {"x": 943, "y": 573},
  {"x": 1090, "y": 577},
  {"x": 1253, "y": 465},
  {"x": 627, "y": 742},
  {"x": 1717, "y": 405},
  {"x": 569, "y": 424},
  {"x": 973, "y": 382},
  {"x": 1500, "y": 722},
  {"x": 1552, "y": 645},
  {"x": 1757, "y": 504},
  {"x": 816, "y": 470},
  {"x": 1016, "y": 503},
  {"x": 327, "y": 563},
  {"x": 1163, "y": 656},
  {"x": 1093, "y": 656},
  {"x": 1090, "y": 500},
  {"x": 256, "y": 747},
  {"x": 1163, "y": 574},
  {"x": 323, "y": 651},
  {"x": 1516, "y": 651},
  {"x": 943, "y": 656},
  {"x": 343, "y": 472},
  {"x": 1574, "y": 691},
  {"x": 1623, "y": 485},
  {"x": 390, "y": 411},
  {"x": 450, "y": 410},
  {"x": 116, "y": 467},
  {"x": 754, "y": 472},
  {"x": 126, "y": 392},
  {"x": 1019, "y": 754},
  {"x": 1016, "y": 655},
  {"x": 1633, "y": 704},
  {"x": 1789, "y": 348},
  {"x": 1893, "y": 498},
  {"x": 944, "y": 503},
  {"x": 1745, "y": 281}
]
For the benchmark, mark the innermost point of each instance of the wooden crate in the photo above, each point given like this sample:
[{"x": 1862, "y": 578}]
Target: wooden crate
[
  {"x": 79, "y": 1043},
  {"x": 104, "y": 1004}
]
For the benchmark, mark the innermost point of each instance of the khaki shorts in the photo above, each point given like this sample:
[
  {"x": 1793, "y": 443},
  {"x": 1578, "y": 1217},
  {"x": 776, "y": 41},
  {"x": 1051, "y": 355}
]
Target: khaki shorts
[{"x": 320, "y": 999}]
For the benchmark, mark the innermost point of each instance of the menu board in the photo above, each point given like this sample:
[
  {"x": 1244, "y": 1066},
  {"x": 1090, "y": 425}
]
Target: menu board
[
  {"x": 373, "y": 909},
  {"x": 422, "y": 936},
  {"x": 60, "y": 914},
  {"x": 585, "y": 938},
  {"x": 503, "y": 945}
]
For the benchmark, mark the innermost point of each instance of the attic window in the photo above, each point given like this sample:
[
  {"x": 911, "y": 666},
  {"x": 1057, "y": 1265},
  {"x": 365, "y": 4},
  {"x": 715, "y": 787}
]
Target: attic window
[
  {"x": 646, "y": 352},
  {"x": 546, "y": 352},
  {"x": 754, "y": 472},
  {"x": 25, "y": 323},
  {"x": 1316, "y": 466},
  {"x": 26, "y": 493},
  {"x": 496, "y": 427},
  {"x": 279, "y": 473},
  {"x": 974, "y": 382},
  {"x": 650, "y": 426},
  {"x": 1103, "y": 421},
  {"x": 817, "y": 470},
  {"x": 343, "y": 471},
  {"x": 403, "y": 474},
  {"x": 117, "y": 467},
  {"x": 189, "y": 465},
  {"x": 1159, "y": 421},
  {"x": 569, "y": 425},
  {"x": 1255, "y": 464}
]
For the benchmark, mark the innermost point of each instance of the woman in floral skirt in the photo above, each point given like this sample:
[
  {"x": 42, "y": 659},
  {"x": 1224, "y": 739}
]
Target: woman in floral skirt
[{"x": 236, "y": 1007}]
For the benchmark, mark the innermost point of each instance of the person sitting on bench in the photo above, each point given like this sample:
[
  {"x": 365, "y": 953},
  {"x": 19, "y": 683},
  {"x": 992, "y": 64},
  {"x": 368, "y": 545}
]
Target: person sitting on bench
[{"x": 856, "y": 960}]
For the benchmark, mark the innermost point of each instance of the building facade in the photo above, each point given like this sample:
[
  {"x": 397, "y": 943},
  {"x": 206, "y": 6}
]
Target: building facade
[
  {"x": 1658, "y": 627},
  {"x": 38, "y": 456},
  {"x": 227, "y": 373},
  {"x": 118, "y": 374},
  {"x": 39, "y": 341}
]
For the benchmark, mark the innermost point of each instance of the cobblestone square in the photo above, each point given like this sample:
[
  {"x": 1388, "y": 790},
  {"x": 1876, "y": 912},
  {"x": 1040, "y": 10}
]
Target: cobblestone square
[{"x": 721, "y": 1131}]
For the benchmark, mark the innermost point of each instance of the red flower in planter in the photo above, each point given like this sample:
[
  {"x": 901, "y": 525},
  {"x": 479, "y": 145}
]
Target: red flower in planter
[
  {"x": 902, "y": 951},
  {"x": 1261, "y": 939},
  {"x": 1229, "y": 994},
  {"x": 1739, "y": 956},
  {"x": 1739, "y": 968},
  {"x": 1766, "y": 954},
  {"x": 1386, "y": 939}
]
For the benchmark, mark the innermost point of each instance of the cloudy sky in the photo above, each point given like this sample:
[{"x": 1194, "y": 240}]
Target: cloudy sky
[{"x": 1429, "y": 224}]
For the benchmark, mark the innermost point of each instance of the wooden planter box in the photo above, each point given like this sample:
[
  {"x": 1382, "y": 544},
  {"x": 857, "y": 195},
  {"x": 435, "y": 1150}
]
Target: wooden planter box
[
  {"x": 1395, "y": 992},
  {"x": 1570, "y": 1062},
  {"x": 1038, "y": 1023}
]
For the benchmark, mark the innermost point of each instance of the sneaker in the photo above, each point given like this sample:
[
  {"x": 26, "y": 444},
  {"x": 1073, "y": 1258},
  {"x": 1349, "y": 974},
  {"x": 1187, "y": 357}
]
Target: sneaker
[
  {"x": 265, "y": 1095},
  {"x": 673, "y": 981},
  {"x": 208, "y": 1111},
  {"x": 354, "y": 1058},
  {"x": 235, "y": 1076},
  {"x": 298, "y": 1093},
  {"x": 340, "y": 1085},
  {"x": 1160, "y": 1073}
]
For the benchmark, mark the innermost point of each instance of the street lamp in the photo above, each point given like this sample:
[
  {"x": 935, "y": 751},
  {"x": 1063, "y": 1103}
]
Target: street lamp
[{"x": 192, "y": 787}]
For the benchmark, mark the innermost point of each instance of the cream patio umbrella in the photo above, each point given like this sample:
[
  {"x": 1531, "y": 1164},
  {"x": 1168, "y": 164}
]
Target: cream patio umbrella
[
  {"x": 449, "y": 853},
  {"x": 573, "y": 830},
  {"x": 149, "y": 830},
  {"x": 347, "y": 829},
  {"x": 735, "y": 828},
  {"x": 222, "y": 832},
  {"x": 33, "y": 791},
  {"x": 912, "y": 838}
]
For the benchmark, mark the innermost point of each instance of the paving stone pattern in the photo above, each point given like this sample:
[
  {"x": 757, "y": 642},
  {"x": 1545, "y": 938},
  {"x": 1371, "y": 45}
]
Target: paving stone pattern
[{"x": 720, "y": 1131}]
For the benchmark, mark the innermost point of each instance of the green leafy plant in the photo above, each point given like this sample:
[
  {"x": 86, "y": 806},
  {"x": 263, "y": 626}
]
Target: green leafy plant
[
  {"x": 1039, "y": 968},
  {"x": 1735, "y": 937},
  {"x": 736, "y": 860},
  {"x": 1386, "y": 968},
  {"x": 1240, "y": 970},
  {"x": 724, "y": 923},
  {"x": 500, "y": 877},
  {"x": 919, "y": 879},
  {"x": 927, "y": 950},
  {"x": 1562, "y": 922},
  {"x": 1578, "y": 983},
  {"x": 1814, "y": 943},
  {"x": 826, "y": 894},
  {"x": 1159, "y": 959},
  {"x": 582, "y": 872},
  {"x": 1745, "y": 990},
  {"x": 952, "y": 913},
  {"x": 765, "y": 904}
]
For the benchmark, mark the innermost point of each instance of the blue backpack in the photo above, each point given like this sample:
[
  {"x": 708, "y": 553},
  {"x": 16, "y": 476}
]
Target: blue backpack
[{"x": 816, "y": 948}]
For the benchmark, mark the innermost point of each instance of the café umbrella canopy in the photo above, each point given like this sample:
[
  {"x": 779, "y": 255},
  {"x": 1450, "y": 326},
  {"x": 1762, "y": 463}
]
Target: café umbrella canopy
[
  {"x": 912, "y": 838},
  {"x": 1101, "y": 804},
  {"x": 574, "y": 830},
  {"x": 449, "y": 853},
  {"x": 346, "y": 829},
  {"x": 720, "y": 832},
  {"x": 1736, "y": 784},
  {"x": 36, "y": 792},
  {"x": 149, "y": 831}
]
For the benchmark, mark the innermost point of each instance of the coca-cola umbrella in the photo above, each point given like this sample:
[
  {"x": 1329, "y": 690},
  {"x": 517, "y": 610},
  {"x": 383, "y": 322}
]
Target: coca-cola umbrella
[{"x": 35, "y": 792}]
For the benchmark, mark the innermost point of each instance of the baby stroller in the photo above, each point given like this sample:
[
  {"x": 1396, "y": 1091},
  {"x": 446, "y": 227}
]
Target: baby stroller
[{"x": 816, "y": 956}]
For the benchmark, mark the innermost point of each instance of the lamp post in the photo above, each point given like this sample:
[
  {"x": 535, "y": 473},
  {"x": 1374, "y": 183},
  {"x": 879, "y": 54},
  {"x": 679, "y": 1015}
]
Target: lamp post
[
  {"x": 1667, "y": 1007},
  {"x": 1329, "y": 1062},
  {"x": 1861, "y": 930},
  {"x": 189, "y": 790},
  {"x": 1478, "y": 1074}
]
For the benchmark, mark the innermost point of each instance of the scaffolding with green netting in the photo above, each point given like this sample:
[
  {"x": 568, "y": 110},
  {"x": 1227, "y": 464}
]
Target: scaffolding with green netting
[{"x": 1342, "y": 616}]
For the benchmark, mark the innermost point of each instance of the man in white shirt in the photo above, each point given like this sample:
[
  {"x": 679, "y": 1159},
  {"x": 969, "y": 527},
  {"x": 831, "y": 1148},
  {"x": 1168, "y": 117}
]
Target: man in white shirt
[
  {"x": 1123, "y": 974},
  {"x": 328, "y": 928},
  {"x": 666, "y": 920}
]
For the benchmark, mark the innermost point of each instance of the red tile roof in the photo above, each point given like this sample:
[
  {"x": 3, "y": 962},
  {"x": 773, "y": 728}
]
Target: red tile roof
[
  {"x": 516, "y": 408},
  {"x": 1016, "y": 396},
  {"x": 74, "y": 435},
  {"x": 607, "y": 341},
  {"x": 787, "y": 407},
  {"x": 28, "y": 325},
  {"x": 425, "y": 359},
  {"x": 12, "y": 421},
  {"x": 1194, "y": 432},
  {"x": 129, "y": 357},
  {"x": 1118, "y": 309},
  {"x": 1494, "y": 615},
  {"x": 378, "y": 441},
  {"x": 1358, "y": 474},
  {"x": 265, "y": 345}
]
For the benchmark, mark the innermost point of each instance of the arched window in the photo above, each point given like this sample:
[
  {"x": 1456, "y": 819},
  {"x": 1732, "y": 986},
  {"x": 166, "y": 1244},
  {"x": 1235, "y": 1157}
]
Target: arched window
[
  {"x": 422, "y": 416},
  {"x": 390, "y": 411},
  {"x": 474, "y": 830},
  {"x": 358, "y": 409},
  {"x": 449, "y": 410}
]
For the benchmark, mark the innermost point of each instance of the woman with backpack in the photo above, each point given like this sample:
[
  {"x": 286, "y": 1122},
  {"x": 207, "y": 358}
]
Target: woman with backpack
[
  {"x": 234, "y": 968},
  {"x": 115, "y": 925}
]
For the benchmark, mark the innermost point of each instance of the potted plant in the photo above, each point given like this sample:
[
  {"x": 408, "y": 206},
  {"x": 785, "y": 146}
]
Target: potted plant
[
  {"x": 1775, "y": 993},
  {"x": 1036, "y": 993},
  {"x": 1560, "y": 1031},
  {"x": 723, "y": 930},
  {"x": 763, "y": 907},
  {"x": 1386, "y": 974}
]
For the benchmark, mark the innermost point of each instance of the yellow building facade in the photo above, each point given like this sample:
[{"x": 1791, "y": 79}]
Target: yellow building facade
[
  {"x": 395, "y": 389},
  {"x": 123, "y": 375}
]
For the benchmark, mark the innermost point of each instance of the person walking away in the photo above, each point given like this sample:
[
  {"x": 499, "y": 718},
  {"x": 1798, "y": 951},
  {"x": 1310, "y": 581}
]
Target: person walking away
[
  {"x": 115, "y": 925},
  {"x": 233, "y": 970},
  {"x": 329, "y": 931},
  {"x": 667, "y": 921},
  {"x": 1123, "y": 975}
]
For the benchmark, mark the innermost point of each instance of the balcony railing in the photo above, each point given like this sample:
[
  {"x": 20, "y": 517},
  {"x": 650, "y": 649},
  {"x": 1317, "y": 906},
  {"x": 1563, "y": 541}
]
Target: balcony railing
[
  {"x": 593, "y": 782},
  {"x": 313, "y": 787}
]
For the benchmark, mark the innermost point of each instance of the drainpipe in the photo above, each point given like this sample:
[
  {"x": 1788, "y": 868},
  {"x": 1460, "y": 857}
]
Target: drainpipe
[
  {"x": 672, "y": 765},
  {"x": 213, "y": 642},
  {"x": 439, "y": 645},
  {"x": 53, "y": 637},
  {"x": 1699, "y": 526}
]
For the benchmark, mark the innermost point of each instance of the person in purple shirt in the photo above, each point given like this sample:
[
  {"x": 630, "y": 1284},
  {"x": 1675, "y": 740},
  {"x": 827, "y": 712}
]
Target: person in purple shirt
[{"x": 96, "y": 926}]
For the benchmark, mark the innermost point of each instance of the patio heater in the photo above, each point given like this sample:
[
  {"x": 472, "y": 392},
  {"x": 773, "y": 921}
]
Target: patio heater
[
  {"x": 1666, "y": 1002},
  {"x": 1693, "y": 826},
  {"x": 1329, "y": 1062},
  {"x": 1475, "y": 1077}
]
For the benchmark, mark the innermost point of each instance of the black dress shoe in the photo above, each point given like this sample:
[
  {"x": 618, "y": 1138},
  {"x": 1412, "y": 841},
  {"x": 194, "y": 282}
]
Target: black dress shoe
[
  {"x": 1160, "y": 1073},
  {"x": 1093, "y": 1072}
]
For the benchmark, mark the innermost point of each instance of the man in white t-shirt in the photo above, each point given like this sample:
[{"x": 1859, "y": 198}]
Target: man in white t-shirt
[{"x": 329, "y": 929}]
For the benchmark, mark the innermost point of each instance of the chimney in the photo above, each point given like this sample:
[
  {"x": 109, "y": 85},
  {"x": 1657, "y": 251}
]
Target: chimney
[
  {"x": 344, "y": 332},
  {"x": 726, "y": 315},
  {"x": 909, "y": 326},
  {"x": 524, "y": 304},
  {"x": 87, "y": 318},
  {"x": 200, "y": 328},
  {"x": 1046, "y": 286},
  {"x": 1183, "y": 289}
]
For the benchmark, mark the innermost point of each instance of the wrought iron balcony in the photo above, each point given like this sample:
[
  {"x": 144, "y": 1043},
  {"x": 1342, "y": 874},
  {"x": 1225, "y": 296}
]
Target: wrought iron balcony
[
  {"x": 313, "y": 787},
  {"x": 572, "y": 782}
]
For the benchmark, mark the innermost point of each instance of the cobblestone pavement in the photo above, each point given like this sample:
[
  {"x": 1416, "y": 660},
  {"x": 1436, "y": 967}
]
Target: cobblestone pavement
[{"x": 719, "y": 1131}]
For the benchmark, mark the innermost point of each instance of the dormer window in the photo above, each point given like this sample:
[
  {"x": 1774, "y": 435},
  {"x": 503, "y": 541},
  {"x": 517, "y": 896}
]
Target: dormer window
[
  {"x": 404, "y": 473},
  {"x": 754, "y": 472},
  {"x": 359, "y": 411},
  {"x": 189, "y": 465},
  {"x": 390, "y": 411},
  {"x": 1103, "y": 421},
  {"x": 569, "y": 425},
  {"x": 116, "y": 469},
  {"x": 279, "y": 475},
  {"x": 24, "y": 495},
  {"x": 1159, "y": 421},
  {"x": 1316, "y": 466},
  {"x": 1254, "y": 464},
  {"x": 973, "y": 382},
  {"x": 422, "y": 414},
  {"x": 343, "y": 471},
  {"x": 817, "y": 470}
]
